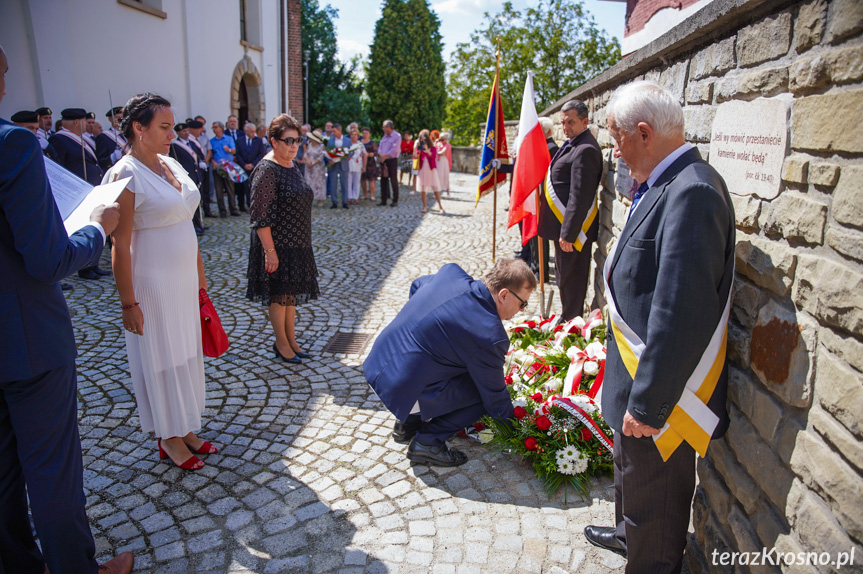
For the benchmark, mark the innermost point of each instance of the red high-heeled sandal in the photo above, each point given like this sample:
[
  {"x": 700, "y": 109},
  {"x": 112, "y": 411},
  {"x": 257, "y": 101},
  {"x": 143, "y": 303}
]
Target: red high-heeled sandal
[
  {"x": 205, "y": 448},
  {"x": 188, "y": 465}
]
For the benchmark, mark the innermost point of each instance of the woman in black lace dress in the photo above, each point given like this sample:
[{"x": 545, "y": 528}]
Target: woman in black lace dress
[{"x": 282, "y": 271}]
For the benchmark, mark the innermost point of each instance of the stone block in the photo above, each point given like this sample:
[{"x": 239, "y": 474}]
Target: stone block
[
  {"x": 673, "y": 79},
  {"x": 838, "y": 66},
  {"x": 848, "y": 197},
  {"x": 795, "y": 169},
  {"x": 809, "y": 28},
  {"x": 849, "y": 349},
  {"x": 726, "y": 87},
  {"x": 699, "y": 93},
  {"x": 766, "y": 414},
  {"x": 768, "y": 264},
  {"x": 780, "y": 354},
  {"x": 747, "y": 208},
  {"x": 830, "y": 291},
  {"x": 717, "y": 494},
  {"x": 846, "y": 18},
  {"x": 742, "y": 530},
  {"x": 746, "y": 301},
  {"x": 786, "y": 436},
  {"x": 713, "y": 60},
  {"x": 823, "y": 173},
  {"x": 768, "y": 523},
  {"x": 760, "y": 461},
  {"x": 738, "y": 344},
  {"x": 699, "y": 123},
  {"x": 846, "y": 241},
  {"x": 821, "y": 122},
  {"x": 817, "y": 528},
  {"x": 840, "y": 437},
  {"x": 767, "y": 82},
  {"x": 823, "y": 470},
  {"x": 765, "y": 40},
  {"x": 795, "y": 216},
  {"x": 734, "y": 476},
  {"x": 839, "y": 389}
]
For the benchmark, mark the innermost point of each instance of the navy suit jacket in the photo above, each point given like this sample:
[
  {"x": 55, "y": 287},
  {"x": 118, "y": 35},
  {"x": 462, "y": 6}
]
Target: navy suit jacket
[
  {"x": 670, "y": 276},
  {"x": 35, "y": 253},
  {"x": 69, "y": 156},
  {"x": 249, "y": 154},
  {"x": 189, "y": 163},
  {"x": 575, "y": 175},
  {"x": 445, "y": 349}
]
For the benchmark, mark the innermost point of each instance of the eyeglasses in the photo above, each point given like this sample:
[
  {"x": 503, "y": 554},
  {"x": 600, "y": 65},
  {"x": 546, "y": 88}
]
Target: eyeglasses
[
  {"x": 291, "y": 141},
  {"x": 523, "y": 305}
]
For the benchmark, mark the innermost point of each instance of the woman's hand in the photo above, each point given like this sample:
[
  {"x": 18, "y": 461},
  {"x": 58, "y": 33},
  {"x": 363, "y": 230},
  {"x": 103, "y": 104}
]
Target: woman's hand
[
  {"x": 271, "y": 261},
  {"x": 133, "y": 320}
]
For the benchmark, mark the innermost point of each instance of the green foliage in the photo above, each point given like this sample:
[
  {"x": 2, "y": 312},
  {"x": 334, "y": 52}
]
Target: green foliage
[
  {"x": 335, "y": 91},
  {"x": 405, "y": 75},
  {"x": 557, "y": 39}
]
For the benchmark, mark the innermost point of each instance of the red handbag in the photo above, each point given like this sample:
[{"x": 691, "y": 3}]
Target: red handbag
[{"x": 214, "y": 338}]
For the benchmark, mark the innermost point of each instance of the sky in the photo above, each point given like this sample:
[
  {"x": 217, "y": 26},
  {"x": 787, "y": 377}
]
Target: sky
[{"x": 356, "y": 21}]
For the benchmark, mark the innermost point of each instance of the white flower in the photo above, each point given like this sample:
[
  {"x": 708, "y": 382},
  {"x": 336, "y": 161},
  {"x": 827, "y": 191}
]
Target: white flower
[
  {"x": 519, "y": 387},
  {"x": 595, "y": 350},
  {"x": 569, "y": 452},
  {"x": 585, "y": 403},
  {"x": 573, "y": 352},
  {"x": 579, "y": 465},
  {"x": 540, "y": 352},
  {"x": 485, "y": 435},
  {"x": 590, "y": 368},
  {"x": 577, "y": 322},
  {"x": 553, "y": 385},
  {"x": 519, "y": 402}
]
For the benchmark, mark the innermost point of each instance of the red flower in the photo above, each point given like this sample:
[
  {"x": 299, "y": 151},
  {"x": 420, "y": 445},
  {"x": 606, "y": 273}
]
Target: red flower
[
  {"x": 586, "y": 434},
  {"x": 558, "y": 328},
  {"x": 542, "y": 423},
  {"x": 518, "y": 330},
  {"x": 520, "y": 413},
  {"x": 537, "y": 397},
  {"x": 531, "y": 324},
  {"x": 530, "y": 443},
  {"x": 461, "y": 433},
  {"x": 553, "y": 369},
  {"x": 478, "y": 427},
  {"x": 508, "y": 380}
]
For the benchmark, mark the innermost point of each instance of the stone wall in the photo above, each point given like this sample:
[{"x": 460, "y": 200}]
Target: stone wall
[
  {"x": 788, "y": 473},
  {"x": 466, "y": 159}
]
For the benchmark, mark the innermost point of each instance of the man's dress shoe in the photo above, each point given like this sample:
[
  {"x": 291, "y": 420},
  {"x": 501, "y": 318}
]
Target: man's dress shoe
[
  {"x": 403, "y": 432},
  {"x": 435, "y": 455},
  {"x": 605, "y": 537},
  {"x": 88, "y": 274},
  {"x": 65, "y": 287},
  {"x": 102, "y": 272},
  {"x": 120, "y": 564}
]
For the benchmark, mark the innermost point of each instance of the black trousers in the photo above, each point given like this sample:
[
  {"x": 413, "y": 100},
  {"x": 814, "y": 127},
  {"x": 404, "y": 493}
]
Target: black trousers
[
  {"x": 572, "y": 271},
  {"x": 40, "y": 459},
  {"x": 436, "y": 431},
  {"x": 652, "y": 503},
  {"x": 390, "y": 178}
]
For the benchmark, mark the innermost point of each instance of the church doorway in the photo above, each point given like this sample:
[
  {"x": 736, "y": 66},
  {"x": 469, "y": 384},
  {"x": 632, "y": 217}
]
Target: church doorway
[{"x": 247, "y": 94}]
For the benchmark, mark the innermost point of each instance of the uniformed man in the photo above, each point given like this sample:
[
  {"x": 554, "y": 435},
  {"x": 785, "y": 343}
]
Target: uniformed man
[
  {"x": 187, "y": 151},
  {"x": 110, "y": 143},
  {"x": 26, "y": 120},
  {"x": 198, "y": 131},
  {"x": 44, "y": 130},
  {"x": 78, "y": 156},
  {"x": 90, "y": 129}
]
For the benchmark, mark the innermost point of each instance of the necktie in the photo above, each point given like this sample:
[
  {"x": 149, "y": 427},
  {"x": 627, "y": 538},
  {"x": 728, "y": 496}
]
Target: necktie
[{"x": 642, "y": 189}]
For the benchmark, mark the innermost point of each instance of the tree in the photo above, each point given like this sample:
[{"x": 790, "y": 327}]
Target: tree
[
  {"x": 405, "y": 75},
  {"x": 335, "y": 91},
  {"x": 557, "y": 39}
]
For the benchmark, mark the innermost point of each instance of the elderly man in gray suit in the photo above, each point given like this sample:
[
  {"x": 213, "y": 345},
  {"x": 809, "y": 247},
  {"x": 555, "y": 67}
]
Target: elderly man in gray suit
[{"x": 668, "y": 286}]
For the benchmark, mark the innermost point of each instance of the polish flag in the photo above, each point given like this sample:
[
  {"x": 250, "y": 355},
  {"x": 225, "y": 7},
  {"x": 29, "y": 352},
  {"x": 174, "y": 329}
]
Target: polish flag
[{"x": 531, "y": 164}]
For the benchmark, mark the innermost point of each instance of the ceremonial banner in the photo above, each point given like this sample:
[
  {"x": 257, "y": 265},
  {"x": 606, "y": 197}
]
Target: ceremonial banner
[
  {"x": 494, "y": 144},
  {"x": 531, "y": 164}
]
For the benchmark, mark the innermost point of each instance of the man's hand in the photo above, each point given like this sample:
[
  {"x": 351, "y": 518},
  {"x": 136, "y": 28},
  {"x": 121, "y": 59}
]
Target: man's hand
[
  {"x": 249, "y": 167},
  {"x": 226, "y": 148},
  {"x": 632, "y": 427},
  {"x": 566, "y": 245},
  {"x": 495, "y": 163},
  {"x": 107, "y": 216}
]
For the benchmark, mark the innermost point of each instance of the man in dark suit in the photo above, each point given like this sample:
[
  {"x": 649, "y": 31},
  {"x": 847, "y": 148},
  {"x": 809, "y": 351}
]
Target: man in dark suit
[
  {"x": 232, "y": 127},
  {"x": 250, "y": 150},
  {"x": 189, "y": 154},
  {"x": 76, "y": 154},
  {"x": 40, "y": 450},
  {"x": 567, "y": 210},
  {"x": 438, "y": 367},
  {"x": 668, "y": 284},
  {"x": 110, "y": 143}
]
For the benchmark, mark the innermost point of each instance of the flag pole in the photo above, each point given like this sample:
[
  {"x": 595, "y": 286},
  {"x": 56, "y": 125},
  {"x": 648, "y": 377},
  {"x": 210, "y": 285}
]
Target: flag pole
[
  {"x": 494, "y": 169},
  {"x": 539, "y": 252}
]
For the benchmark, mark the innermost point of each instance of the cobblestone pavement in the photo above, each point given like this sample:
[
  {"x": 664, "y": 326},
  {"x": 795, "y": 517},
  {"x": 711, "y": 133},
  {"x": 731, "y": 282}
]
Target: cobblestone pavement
[{"x": 307, "y": 478}]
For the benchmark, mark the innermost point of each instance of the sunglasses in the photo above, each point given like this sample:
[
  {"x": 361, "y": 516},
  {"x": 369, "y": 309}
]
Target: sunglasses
[
  {"x": 291, "y": 141},
  {"x": 523, "y": 305}
]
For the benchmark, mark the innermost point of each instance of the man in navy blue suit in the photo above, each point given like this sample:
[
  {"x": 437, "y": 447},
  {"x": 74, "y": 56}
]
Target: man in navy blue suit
[
  {"x": 250, "y": 150},
  {"x": 40, "y": 450},
  {"x": 438, "y": 367}
]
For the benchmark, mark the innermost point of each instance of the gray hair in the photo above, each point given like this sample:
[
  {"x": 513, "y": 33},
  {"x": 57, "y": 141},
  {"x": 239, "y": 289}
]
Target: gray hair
[
  {"x": 388, "y": 123},
  {"x": 576, "y": 105},
  {"x": 509, "y": 274},
  {"x": 249, "y": 125},
  {"x": 547, "y": 125},
  {"x": 220, "y": 124},
  {"x": 648, "y": 102}
]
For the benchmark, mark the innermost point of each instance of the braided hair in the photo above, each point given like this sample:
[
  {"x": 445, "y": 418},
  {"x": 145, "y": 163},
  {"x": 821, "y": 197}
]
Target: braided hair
[{"x": 141, "y": 109}]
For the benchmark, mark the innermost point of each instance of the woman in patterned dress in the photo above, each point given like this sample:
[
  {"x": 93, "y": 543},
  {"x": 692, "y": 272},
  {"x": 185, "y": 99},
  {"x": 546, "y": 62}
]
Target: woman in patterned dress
[
  {"x": 372, "y": 172},
  {"x": 282, "y": 271},
  {"x": 316, "y": 171}
]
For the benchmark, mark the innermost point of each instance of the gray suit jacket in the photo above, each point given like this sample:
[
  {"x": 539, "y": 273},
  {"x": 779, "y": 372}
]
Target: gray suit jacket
[{"x": 670, "y": 277}]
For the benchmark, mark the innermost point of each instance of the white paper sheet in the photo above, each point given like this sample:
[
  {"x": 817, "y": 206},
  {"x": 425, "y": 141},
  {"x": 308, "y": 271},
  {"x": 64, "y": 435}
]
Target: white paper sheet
[{"x": 75, "y": 198}]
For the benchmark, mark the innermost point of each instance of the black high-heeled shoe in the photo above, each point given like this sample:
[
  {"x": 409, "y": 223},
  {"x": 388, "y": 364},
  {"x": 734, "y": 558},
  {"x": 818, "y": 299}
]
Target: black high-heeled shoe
[
  {"x": 296, "y": 360},
  {"x": 303, "y": 355}
]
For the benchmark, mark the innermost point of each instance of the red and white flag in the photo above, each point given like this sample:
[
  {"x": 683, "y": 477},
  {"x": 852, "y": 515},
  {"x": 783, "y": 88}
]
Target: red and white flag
[{"x": 531, "y": 164}]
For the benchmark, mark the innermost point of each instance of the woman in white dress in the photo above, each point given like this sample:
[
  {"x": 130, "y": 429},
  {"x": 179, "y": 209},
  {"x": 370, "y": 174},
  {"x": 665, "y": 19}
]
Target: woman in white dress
[
  {"x": 356, "y": 166},
  {"x": 158, "y": 270}
]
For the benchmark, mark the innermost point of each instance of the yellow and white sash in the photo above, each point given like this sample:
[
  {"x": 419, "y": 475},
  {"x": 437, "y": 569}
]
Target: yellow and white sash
[
  {"x": 691, "y": 419},
  {"x": 557, "y": 207}
]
